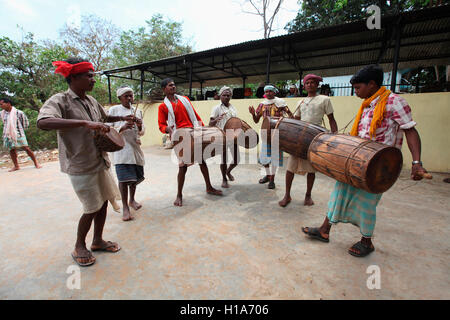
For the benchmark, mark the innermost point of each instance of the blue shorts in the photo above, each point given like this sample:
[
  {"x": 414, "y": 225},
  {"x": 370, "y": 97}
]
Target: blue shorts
[{"x": 130, "y": 173}]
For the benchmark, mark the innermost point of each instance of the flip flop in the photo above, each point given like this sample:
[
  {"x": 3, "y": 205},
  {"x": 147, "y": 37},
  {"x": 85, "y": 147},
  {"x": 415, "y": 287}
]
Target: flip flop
[
  {"x": 264, "y": 180},
  {"x": 215, "y": 193},
  {"x": 106, "y": 248},
  {"x": 315, "y": 234},
  {"x": 75, "y": 258},
  {"x": 363, "y": 250}
]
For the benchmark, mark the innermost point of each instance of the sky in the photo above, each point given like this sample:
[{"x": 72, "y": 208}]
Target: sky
[{"x": 206, "y": 24}]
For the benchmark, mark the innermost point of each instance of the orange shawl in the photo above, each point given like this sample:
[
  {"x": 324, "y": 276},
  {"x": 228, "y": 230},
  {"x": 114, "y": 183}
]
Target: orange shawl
[{"x": 378, "y": 113}]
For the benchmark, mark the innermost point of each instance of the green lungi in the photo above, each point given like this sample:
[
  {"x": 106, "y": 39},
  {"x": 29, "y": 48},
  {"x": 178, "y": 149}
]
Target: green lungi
[{"x": 352, "y": 205}]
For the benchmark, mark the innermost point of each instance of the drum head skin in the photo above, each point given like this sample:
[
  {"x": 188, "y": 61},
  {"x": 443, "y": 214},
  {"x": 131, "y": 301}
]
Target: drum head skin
[{"x": 109, "y": 142}]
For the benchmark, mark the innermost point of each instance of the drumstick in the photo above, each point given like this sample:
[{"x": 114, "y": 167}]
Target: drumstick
[{"x": 425, "y": 175}]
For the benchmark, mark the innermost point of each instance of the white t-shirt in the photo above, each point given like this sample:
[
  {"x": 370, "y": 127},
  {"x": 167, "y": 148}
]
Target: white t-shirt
[
  {"x": 131, "y": 152},
  {"x": 312, "y": 109},
  {"x": 220, "y": 109}
]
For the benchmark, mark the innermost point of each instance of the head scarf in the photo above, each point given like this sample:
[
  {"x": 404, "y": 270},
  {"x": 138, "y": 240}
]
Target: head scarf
[
  {"x": 123, "y": 90},
  {"x": 271, "y": 88},
  {"x": 313, "y": 77},
  {"x": 225, "y": 88},
  {"x": 66, "y": 69}
]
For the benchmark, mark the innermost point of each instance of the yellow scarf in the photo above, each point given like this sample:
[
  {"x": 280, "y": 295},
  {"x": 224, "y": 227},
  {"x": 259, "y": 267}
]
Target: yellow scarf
[{"x": 378, "y": 113}]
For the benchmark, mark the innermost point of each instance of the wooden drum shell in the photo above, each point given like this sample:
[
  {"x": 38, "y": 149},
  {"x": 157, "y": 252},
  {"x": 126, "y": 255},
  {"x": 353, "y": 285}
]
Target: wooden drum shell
[
  {"x": 110, "y": 141},
  {"x": 295, "y": 136},
  {"x": 235, "y": 124},
  {"x": 364, "y": 164},
  {"x": 210, "y": 136}
]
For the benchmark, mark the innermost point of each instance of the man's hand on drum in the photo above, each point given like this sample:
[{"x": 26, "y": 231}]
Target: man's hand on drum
[
  {"x": 126, "y": 126},
  {"x": 98, "y": 126}
]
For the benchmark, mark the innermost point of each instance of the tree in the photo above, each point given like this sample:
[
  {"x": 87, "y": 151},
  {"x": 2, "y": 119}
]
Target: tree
[
  {"x": 263, "y": 9},
  {"x": 157, "y": 40},
  {"x": 94, "y": 40},
  {"x": 324, "y": 13},
  {"x": 27, "y": 73}
]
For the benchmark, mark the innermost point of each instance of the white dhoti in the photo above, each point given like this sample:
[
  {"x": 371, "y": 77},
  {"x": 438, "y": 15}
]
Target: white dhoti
[
  {"x": 299, "y": 165},
  {"x": 95, "y": 189}
]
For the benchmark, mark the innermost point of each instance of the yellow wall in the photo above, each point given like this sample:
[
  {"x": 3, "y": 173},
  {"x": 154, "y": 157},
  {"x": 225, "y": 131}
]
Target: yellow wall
[{"x": 431, "y": 111}]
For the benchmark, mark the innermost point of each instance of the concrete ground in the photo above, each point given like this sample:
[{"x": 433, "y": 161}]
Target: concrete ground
[{"x": 239, "y": 246}]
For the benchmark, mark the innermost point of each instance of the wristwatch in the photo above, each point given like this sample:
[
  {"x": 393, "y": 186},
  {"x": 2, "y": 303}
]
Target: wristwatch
[{"x": 417, "y": 162}]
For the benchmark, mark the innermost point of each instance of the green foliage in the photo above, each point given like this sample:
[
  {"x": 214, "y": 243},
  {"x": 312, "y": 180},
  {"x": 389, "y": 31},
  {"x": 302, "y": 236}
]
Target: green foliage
[
  {"x": 323, "y": 13},
  {"x": 27, "y": 71}
]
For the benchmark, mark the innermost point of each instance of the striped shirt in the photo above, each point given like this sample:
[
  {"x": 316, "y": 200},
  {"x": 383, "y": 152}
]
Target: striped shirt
[
  {"x": 397, "y": 117},
  {"x": 22, "y": 123}
]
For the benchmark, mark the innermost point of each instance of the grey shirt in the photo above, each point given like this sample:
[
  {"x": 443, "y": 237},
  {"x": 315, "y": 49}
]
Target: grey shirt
[{"x": 78, "y": 154}]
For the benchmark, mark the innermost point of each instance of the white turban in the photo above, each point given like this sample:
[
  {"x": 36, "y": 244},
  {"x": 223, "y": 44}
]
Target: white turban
[
  {"x": 225, "y": 88},
  {"x": 123, "y": 90}
]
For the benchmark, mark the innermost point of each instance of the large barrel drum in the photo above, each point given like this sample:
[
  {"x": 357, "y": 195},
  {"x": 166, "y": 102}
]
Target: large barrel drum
[
  {"x": 241, "y": 133},
  {"x": 196, "y": 145},
  {"x": 362, "y": 163},
  {"x": 295, "y": 136}
]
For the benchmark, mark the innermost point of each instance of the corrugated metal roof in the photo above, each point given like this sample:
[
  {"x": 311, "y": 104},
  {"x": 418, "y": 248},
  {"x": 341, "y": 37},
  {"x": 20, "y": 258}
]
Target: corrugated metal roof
[{"x": 330, "y": 51}]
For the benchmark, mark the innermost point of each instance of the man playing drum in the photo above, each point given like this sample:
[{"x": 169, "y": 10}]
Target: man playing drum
[
  {"x": 129, "y": 162},
  {"x": 310, "y": 109},
  {"x": 76, "y": 115},
  {"x": 220, "y": 114},
  {"x": 174, "y": 113},
  {"x": 382, "y": 117},
  {"x": 272, "y": 106}
]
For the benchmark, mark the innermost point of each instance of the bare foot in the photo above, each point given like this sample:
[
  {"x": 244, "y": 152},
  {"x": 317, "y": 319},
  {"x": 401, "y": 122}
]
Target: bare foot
[
  {"x": 214, "y": 192},
  {"x": 285, "y": 201},
  {"x": 178, "y": 202},
  {"x": 230, "y": 177},
  {"x": 127, "y": 215},
  {"x": 13, "y": 169},
  {"x": 135, "y": 205},
  {"x": 308, "y": 201},
  {"x": 225, "y": 184},
  {"x": 38, "y": 166}
]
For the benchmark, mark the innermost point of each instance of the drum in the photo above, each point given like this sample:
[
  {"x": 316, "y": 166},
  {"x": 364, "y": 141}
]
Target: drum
[
  {"x": 241, "y": 133},
  {"x": 295, "y": 136},
  {"x": 196, "y": 145},
  {"x": 109, "y": 142},
  {"x": 362, "y": 163}
]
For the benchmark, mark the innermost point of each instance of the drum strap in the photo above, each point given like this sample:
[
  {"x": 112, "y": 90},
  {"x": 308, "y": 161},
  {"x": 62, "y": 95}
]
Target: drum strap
[{"x": 350, "y": 156}]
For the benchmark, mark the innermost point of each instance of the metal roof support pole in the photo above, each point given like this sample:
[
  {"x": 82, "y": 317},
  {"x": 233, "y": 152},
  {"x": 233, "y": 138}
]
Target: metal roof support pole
[
  {"x": 268, "y": 66},
  {"x": 243, "y": 82},
  {"x": 419, "y": 70},
  {"x": 201, "y": 89},
  {"x": 109, "y": 89},
  {"x": 300, "y": 75},
  {"x": 142, "y": 84},
  {"x": 190, "y": 79},
  {"x": 396, "y": 55}
]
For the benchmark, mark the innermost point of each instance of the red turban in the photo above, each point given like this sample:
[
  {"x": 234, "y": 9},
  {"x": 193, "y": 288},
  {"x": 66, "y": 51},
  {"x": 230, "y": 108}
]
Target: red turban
[
  {"x": 312, "y": 77},
  {"x": 66, "y": 69}
]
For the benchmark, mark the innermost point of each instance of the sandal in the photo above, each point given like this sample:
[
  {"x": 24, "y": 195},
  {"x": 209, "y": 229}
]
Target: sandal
[
  {"x": 315, "y": 234},
  {"x": 264, "y": 180},
  {"x": 109, "y": 247},
  {"x": 363, "y": 249},
  {"x": 88, "y": 256}
]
